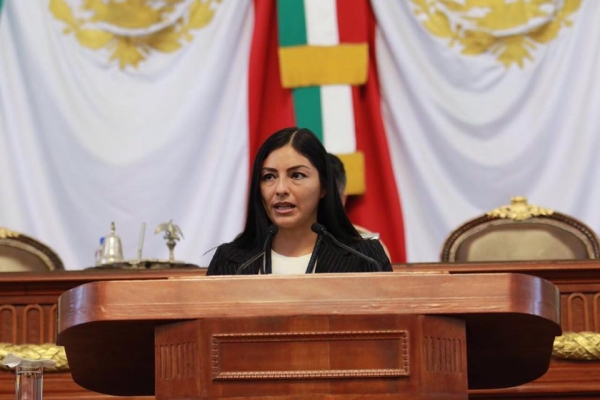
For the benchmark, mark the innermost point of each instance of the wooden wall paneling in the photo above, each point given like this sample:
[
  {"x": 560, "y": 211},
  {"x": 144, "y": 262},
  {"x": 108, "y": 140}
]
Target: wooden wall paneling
[
  {"x": 8, "y": 324},
  {"x": 33, "y": 324},
  {"x": 576, "y": 311},
  {"x": 595, "y": 311},
  {"x": 52, "y": 319}
]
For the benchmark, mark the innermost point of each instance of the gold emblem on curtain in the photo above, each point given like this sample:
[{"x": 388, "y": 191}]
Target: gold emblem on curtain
[
  {"x": 507, "y": 29},
  {"x": 131, "y": 30}
]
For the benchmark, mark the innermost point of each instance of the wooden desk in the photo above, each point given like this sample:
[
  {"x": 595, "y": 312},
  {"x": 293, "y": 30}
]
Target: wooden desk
[
  {"x": 579, "y": 285},
  {"x": 327, "y": 336},
  {"x": 28, "y": 304}
]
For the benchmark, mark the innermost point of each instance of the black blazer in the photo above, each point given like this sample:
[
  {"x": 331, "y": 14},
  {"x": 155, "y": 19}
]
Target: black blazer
[{"x": 330, "y": 258}]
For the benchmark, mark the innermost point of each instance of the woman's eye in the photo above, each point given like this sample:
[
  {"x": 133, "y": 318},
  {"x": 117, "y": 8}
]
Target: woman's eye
[
  {"x": 268, "y": 177},
  {"x": 298, "y": 175}
]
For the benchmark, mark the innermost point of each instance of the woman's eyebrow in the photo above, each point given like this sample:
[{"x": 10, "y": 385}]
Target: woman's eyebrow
[
  {"x": 298, "y": 166},
  {"x": 270, "y": 169}
]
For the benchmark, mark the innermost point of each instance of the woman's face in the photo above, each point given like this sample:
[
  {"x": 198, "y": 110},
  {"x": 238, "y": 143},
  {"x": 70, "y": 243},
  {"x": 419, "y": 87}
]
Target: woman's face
[{"x": 290, "y": 189}]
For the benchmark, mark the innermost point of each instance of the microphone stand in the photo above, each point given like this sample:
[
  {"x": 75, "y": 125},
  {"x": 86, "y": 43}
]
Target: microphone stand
[
  {"x": 271, "y": 232},
  {"x": 320, "y": 229},
  {"x": 250, "y": 261}
]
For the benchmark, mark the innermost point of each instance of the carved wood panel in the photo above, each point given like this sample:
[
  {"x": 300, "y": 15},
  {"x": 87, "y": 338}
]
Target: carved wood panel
[
  {"x": 272, "y": 350},
  {"x": 177, "y": 361},
  {"x": 8, "y": 324},
  {"x": 28, "y": 324},
  {"x": 443, "y": 355},
  {"x": 580, "y": 311}
]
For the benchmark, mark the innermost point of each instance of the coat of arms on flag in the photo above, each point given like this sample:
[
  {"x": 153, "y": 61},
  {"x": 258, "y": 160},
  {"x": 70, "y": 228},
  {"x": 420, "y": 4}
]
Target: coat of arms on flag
[
  {"x": 508, "y": 29},
  {"x": 131, "y": 30}
]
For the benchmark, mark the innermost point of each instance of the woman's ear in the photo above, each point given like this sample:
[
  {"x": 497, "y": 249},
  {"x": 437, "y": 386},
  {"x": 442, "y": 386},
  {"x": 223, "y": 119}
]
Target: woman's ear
[{"x": 323, "y": 192}]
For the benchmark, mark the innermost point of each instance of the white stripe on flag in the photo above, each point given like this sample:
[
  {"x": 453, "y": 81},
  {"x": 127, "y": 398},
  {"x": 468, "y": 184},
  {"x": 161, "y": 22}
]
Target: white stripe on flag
[
  {"x": 338, "y": 119},
  {"x": 321, "y": 22}
]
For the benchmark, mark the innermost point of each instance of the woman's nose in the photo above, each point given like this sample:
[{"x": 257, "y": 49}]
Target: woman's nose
[{"x": 282, "y": 187}]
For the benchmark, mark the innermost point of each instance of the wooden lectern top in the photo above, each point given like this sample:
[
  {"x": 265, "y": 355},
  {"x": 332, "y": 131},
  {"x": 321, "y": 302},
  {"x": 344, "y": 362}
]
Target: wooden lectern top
[{"x": 108, "y": 327}]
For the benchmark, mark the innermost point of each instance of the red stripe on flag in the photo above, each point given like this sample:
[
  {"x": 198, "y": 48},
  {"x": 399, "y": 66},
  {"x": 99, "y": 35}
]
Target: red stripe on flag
[
  {"x": 352, "y": 20},
  {"x": 379, "y": 208},
  {"x": 271, "y": 107}
]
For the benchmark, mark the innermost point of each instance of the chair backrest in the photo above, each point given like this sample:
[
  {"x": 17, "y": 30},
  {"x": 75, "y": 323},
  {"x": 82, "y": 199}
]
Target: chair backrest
[
  {"x": 19, "y": 253},
  {"x": 521, "y": 232}
]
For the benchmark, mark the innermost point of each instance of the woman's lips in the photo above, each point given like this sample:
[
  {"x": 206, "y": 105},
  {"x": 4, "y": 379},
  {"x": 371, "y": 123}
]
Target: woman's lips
[{"x": 284, "y": 208}]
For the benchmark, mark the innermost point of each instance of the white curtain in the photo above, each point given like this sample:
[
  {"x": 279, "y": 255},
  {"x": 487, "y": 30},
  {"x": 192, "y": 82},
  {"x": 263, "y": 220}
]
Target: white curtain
[
  {"x": 84, "y": 142},
  {"x": 467, "y": 132}
]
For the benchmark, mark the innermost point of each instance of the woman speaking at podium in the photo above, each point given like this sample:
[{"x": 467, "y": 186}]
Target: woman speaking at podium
[{"x": 295, "y": 222}]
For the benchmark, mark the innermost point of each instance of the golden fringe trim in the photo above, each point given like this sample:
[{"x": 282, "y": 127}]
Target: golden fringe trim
[
  {"x": 47, "y": 351},
  {"x": 577, "y": 346}
]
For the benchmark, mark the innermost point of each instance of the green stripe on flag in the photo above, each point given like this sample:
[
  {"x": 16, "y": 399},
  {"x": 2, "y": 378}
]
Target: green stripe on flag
[
  {"x": 1, "y": 5},
  {"x": 291, "y": 22},
  {"x": 307, "y": 107}
]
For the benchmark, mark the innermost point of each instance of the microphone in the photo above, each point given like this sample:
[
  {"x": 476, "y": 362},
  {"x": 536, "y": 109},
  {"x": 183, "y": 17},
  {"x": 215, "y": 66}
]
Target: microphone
[
  {"x": 250, "y": 261},
  {"x": 271, "y": 231},
  {"x": 320, "y": 229}
]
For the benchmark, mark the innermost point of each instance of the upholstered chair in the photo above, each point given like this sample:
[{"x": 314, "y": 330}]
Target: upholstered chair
[
  {"x": 521, "y": 232},
  {"x": 19, "y": 253}
]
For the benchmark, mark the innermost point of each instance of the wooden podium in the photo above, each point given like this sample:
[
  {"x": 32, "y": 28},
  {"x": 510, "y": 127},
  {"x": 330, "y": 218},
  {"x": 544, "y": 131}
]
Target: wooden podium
[{"x": 330, "y": 336}]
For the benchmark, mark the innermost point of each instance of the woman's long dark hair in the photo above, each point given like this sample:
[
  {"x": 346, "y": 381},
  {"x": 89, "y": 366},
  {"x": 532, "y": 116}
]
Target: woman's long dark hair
[{"x": 330, "y": 212}]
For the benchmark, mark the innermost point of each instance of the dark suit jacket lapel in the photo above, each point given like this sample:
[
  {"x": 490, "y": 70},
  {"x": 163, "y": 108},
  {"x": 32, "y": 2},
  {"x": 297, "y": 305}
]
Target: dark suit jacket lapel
[
  {"x": 237, "y": 257},
  {"x": 333, "y": 259}
]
